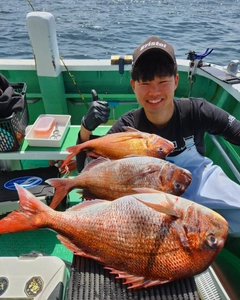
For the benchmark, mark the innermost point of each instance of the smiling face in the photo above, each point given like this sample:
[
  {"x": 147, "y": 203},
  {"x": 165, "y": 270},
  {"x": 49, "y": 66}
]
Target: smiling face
[
  {"x": 156, "y": 97},
  {"x": 154, "y": 81}
]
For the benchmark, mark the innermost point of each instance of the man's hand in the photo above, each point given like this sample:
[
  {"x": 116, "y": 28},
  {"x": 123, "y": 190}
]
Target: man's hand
[{"x": 97, "y": 114}]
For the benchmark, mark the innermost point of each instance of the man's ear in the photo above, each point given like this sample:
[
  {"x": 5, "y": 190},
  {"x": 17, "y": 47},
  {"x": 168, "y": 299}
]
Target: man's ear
[
  {"x": 132, "y": 82},
  {"x": 176, "y": 81}
]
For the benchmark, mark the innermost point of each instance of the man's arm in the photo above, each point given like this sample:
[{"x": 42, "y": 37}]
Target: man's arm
[
  {"x": 97, "y": 114},
  {"x": 219, "y": 122}
]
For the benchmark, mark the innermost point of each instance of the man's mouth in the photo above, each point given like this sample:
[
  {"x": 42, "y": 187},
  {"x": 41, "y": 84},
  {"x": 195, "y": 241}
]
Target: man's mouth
[{"x": 155, "y": 101}]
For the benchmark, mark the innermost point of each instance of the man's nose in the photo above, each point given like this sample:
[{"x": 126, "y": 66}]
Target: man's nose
[{"x": 154, "y": 89}]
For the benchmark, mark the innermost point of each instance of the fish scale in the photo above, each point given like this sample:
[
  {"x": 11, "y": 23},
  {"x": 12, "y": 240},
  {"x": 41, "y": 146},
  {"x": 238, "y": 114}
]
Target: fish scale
[
  {"x": 132, "y": 231},
  {"x": 110, "y": 179},
  {"x": 138, "y": 227},
  {"x": 147, "y": 238},
  {"x": 121, "y": 144}
]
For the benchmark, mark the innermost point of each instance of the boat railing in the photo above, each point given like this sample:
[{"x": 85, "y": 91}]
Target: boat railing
[{"x": 233, "y": 165}]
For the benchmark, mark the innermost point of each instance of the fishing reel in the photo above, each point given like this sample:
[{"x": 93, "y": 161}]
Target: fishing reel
[
  {"x": 192, "y": 55},
  {"x": 195, "y": 62}
]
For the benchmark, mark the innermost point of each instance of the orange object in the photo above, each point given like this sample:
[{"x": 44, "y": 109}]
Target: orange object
[
  {"x": 146, "y": 239},
  {"x": 44, "y": 127},
  {"x": 120, "y": 176},
  {"x": 121, "y": 144}
]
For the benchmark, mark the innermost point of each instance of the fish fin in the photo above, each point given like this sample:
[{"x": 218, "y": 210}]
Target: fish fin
[
  {"x": 95, "y": 162},
  {"x": 183, "y": 236},
  {"x": 28, "y": 218},
  {"x": 134, "y": 155},
  {"x": 167, "y": 200},
  {"x": 125, "y": 137},
  {"x": 84, "y": 204},
  {"x": 146, "y": 190},
  {"x": 68, "y": 244},
  {"x": 150, "y": 282},
  {"x": 149, "y": 169},
  {"x": 73, "y": 150},
  {"x": 76, "y": 250},
  {"x": 130, "y": 129},
  {"x": 62, "y": 187},
  {"x": 136, "y": 282},
  {"x": 142, "y": 282},
  {"x": 92, "y": 154},
  {"x": 164, "y": 205},
  {"x": 86, "y": 195}
]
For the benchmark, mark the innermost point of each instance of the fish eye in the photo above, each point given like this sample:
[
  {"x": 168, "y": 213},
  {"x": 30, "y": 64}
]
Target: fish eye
[
  {"x": 160, "y": 149},
  {"x": 177, "y": 186},
  {"x": 211, "y": 240}
]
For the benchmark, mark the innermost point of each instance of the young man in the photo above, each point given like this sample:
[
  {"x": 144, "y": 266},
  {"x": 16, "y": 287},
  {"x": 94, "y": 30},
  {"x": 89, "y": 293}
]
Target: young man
[{"x": 154, "y": 80}]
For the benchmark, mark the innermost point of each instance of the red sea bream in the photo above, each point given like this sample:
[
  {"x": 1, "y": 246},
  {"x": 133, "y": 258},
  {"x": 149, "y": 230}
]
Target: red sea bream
[
  {"x": 147, "y": 239},
  {"x": 110, "y": 179}
]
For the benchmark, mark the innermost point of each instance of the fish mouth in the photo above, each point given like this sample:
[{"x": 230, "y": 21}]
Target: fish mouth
[
  {"x": 187, "y": 177},
  {"x": 162, "y": 151},
  {"x": 181, "y": 186},
  {"x": 166, "y": 148},
  {"x": 221, "y": 242}
]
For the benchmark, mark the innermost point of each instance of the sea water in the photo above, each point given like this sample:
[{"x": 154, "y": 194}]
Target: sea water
[{"x": 101, "y": 28}]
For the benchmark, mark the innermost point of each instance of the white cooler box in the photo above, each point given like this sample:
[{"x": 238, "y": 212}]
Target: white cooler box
[{"x": 28, "y": 277}]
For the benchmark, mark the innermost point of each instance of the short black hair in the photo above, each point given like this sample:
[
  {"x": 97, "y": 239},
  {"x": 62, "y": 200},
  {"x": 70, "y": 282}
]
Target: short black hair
[{"x": 153, "y": 63}]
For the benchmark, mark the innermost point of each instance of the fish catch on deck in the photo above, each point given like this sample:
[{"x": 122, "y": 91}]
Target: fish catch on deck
[
  {"x": 121, "y": 144},
  {"x": 147, "y": 239},
  {"x": 110, "y": 179}
]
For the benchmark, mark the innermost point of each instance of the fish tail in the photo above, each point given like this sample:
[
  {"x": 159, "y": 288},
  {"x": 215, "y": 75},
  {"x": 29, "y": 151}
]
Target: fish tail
[
  {"x": 28, "y": 218},
  {"x": 73, "y": 150},
  {"x": 62, "y": 187}
]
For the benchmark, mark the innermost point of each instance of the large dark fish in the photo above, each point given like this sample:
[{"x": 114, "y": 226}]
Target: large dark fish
[
  {"x": 147, "y": 239},
  {"x": 110, "y": 179},
  {"x": 121, "y": 144}
]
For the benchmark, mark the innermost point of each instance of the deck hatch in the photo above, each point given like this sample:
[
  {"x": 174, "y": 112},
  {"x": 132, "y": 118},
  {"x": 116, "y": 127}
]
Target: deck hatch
[{"x": 90, "y": 281}]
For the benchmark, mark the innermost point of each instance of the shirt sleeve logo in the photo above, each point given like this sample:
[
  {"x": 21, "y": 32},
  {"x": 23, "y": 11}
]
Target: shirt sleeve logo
[{"x": 230, "y": 120}]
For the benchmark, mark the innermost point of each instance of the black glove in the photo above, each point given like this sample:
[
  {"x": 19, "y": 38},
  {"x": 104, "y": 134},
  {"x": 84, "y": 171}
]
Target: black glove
[{"x": 97, "y": 114}]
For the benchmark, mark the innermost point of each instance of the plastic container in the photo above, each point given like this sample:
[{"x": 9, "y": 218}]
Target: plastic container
[
  {"x": 33, "y": 277},
  {"x": 44, "y": 127},
  {"x": 57, "y": 134},
  {"x": 12, "y": 129}
]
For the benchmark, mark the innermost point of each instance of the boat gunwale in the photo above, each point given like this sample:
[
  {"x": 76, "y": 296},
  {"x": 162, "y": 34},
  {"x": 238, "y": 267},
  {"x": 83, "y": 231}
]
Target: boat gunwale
[{"x": 105, "y": 65}]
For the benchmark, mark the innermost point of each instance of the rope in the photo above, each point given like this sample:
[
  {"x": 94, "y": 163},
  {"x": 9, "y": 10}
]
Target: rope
[{"x": 74, "y": 82}]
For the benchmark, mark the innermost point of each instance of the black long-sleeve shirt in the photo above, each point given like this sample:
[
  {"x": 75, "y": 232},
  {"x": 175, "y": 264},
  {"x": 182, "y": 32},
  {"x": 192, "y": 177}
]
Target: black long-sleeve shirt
[{"x": 192, "y": 117}]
